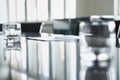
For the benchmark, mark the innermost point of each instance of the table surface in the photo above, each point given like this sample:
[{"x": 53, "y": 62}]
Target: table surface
[{"x": 24, "y": 62}]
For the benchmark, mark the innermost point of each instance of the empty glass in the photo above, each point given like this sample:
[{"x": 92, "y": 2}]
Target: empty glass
[{"x": 97, "y": 50}]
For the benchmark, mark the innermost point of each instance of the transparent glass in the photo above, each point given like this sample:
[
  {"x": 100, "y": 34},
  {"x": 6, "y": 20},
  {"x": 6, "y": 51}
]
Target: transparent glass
[
  {"x": 12, "y": 35},
  {"x": 97, "y": 50}
]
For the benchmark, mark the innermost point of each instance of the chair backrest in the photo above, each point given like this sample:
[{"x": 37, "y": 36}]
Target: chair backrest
[
  {"x": 33, "y": 27},
  {"x": 61, "y": 26},
  {"x": 67, "y": 26}
]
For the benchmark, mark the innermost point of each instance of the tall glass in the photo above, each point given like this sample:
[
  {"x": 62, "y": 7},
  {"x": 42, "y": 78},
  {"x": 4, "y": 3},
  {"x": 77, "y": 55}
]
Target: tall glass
[
  {"x": 14, "y": 55},
  {"x": 97, "y": 50}
]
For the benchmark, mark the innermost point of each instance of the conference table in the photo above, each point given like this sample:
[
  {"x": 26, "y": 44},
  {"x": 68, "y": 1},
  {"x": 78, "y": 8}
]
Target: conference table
[{"x": 49, "y": 57}]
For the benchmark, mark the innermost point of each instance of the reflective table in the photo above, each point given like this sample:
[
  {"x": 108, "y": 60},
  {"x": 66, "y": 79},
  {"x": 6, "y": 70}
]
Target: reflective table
[{"x": 49, "y": 57}]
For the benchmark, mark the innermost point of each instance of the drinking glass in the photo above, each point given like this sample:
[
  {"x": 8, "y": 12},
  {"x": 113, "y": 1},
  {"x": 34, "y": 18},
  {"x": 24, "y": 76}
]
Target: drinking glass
[{"x": 97, "y": 50}]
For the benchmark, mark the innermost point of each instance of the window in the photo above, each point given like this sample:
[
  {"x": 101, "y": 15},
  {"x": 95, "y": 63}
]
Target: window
[
  {"x": 70, "y": 9},
  {"x": 57, "y": 9},
  {"x": 40, "y": 10},
  {"x": 20, "y": 10},
  {"x": 31, "y": 10},
  {"x": 12, "y": 10},
  {"x": 16, "y": 10}
]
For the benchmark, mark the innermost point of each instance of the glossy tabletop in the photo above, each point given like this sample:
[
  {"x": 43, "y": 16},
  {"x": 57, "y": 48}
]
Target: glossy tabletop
[{"x": 52, "y": 57}]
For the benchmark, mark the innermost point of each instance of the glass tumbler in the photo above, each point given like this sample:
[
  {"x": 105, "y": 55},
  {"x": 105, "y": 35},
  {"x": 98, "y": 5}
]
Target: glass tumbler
[{"x": 97, "y": 50}]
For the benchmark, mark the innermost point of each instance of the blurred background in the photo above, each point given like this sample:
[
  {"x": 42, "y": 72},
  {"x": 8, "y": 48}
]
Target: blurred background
[{"x": 46, "y": 10}]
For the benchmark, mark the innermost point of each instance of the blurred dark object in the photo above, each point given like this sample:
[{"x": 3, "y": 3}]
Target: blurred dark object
[
  {"x": 1, "y": 27},
  {"x": 31, "y": 29}
]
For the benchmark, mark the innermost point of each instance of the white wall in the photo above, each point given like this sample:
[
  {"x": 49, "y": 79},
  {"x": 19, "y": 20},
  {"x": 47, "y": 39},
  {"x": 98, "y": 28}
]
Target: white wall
[{"x": 94, "y": 7}]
